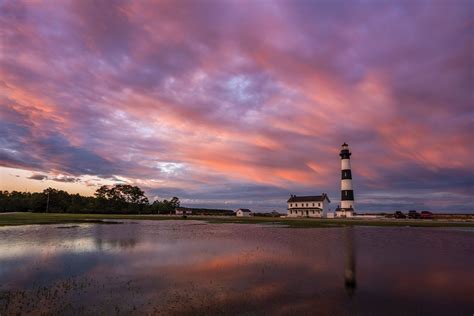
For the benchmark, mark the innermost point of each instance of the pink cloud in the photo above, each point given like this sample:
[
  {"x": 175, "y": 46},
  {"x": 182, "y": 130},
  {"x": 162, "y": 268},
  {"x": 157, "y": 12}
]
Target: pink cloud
[{"x": 254, "y": 94}]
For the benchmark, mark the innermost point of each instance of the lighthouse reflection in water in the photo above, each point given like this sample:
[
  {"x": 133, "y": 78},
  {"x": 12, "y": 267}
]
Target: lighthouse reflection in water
[{"x": 350, "y": 262}]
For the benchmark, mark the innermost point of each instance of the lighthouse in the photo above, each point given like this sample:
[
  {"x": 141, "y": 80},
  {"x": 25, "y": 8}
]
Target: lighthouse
[{"x": 347, "y": 193}]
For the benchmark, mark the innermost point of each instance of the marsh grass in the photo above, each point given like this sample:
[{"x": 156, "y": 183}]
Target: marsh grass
[
  {"x": 321, "y": 223},
  {"x": 14, "y": 219}
]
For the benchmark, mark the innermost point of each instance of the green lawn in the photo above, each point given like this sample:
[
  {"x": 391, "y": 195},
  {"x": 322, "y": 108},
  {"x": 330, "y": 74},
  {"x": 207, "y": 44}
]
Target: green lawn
[
  {"x": 314, "y": 222},
  {"x": 12, "y": 219}
]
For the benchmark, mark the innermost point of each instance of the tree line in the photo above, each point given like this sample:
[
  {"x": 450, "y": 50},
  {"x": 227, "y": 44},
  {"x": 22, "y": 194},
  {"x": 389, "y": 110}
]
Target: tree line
[{"x": 115, "y": 199}]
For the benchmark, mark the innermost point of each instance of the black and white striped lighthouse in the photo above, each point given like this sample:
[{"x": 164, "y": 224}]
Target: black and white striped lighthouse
[{"x": 347, "y": 193}]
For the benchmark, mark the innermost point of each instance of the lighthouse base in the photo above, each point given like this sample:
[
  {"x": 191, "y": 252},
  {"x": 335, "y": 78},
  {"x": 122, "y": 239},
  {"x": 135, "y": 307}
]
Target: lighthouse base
[{"x": 344, "y": 212}]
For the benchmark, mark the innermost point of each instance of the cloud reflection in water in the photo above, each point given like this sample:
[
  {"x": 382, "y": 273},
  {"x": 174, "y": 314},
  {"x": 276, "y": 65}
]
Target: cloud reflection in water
[{"x": 183, "y": 268}]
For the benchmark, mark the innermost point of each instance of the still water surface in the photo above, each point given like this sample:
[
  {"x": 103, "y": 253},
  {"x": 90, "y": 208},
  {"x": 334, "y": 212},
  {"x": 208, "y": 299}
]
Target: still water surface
[{"x": 190, "y": 267}]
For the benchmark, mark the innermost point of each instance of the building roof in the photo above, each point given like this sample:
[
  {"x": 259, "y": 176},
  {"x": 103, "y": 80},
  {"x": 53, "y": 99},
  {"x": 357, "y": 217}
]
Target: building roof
[
  {"x": 245, "y": 210},
  {"x": 309, "y": 198},
  {"x": 204, "y": 210}
]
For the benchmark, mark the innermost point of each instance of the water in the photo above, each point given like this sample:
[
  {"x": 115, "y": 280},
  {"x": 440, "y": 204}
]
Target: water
[{"x": 191, "y": 268}]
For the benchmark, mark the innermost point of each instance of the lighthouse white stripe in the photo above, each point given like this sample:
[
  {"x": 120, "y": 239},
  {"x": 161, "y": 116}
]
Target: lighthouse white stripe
[
  {"x": 345, "y": 164},
  {"x": 347, "y": 204},
  {"x": 346, "y": 184}
]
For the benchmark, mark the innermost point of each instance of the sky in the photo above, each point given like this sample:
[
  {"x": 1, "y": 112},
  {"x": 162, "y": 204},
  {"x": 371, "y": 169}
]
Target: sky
[{"x": 241, "y": 103}]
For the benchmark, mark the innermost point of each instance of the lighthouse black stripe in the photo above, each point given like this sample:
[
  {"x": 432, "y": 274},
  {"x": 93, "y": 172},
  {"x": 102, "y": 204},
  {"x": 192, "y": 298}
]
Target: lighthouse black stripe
[
  {"x": 346, "y": 174},
  {"x": 347, "y": 195},
  {"x": 345, "y": 154}
]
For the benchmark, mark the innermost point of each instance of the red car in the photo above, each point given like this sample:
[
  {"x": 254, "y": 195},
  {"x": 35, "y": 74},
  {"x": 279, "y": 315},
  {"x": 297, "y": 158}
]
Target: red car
[{"x": 426, "y": 215}]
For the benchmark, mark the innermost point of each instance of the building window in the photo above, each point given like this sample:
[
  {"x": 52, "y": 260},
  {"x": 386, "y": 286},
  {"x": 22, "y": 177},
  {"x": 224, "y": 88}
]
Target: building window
[
  {"x": 291, "y": 204},
  {"x": 313, "y": 204},
  {"x": 306, "y": 204},
  {"x": 319, "y": 204}
]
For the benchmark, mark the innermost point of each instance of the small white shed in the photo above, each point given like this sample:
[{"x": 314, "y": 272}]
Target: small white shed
[{"x": 243, "y": 212}]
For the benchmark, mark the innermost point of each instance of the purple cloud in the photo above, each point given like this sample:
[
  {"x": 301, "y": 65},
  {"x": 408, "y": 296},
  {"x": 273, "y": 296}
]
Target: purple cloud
[
  {"x": 231, "y": 103},
  {"x": 38, "y": 177}
]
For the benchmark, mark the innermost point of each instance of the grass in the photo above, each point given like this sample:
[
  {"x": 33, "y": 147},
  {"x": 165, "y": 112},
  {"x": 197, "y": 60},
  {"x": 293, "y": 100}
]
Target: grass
[
  {"x": 14, "y": 219},
  {"x": 323, "y": 222}
]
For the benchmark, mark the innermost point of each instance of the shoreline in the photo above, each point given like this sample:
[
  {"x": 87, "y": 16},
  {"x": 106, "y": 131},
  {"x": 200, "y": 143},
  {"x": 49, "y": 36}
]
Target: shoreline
[{"x": 25, "y": 218}]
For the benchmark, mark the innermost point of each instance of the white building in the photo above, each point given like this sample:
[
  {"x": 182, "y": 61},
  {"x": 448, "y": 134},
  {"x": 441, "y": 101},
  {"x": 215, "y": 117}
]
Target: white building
[
  {"x": 243, "y": 212},
  {"x": 308, "y": 206},
  {"x": 183, "y": 211}
]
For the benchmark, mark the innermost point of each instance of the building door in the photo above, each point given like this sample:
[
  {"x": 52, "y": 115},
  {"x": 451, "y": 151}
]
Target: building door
[{"x": 307, "y": 213}]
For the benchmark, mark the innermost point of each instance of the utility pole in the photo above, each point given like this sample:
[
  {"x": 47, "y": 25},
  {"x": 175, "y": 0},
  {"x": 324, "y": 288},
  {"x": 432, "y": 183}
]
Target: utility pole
[{"x": 47, "y": 204}]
